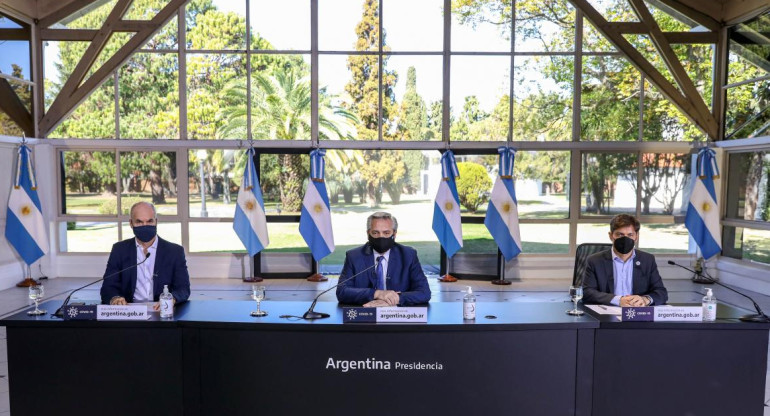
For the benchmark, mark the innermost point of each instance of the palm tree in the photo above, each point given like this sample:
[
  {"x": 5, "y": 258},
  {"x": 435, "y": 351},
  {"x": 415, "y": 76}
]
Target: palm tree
[{"x": 281, "y": 111}]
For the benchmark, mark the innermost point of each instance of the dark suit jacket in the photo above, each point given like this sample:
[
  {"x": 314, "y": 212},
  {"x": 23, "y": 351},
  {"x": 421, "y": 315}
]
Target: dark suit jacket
[
  {"x": 404, "y": 275},
  {"x": 170, "y": 269},
  {"x": 599, "y": 279}
]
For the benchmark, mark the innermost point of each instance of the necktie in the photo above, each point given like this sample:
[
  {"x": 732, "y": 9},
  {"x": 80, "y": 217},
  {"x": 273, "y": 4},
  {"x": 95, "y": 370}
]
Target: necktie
[{"x": 380, "y": 274}]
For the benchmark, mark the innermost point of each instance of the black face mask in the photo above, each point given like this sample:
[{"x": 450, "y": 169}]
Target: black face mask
[
  {"x": 145, "y": 233},
  {"x": 382, "y": 244},
  {"x": 623, "y": 245}
]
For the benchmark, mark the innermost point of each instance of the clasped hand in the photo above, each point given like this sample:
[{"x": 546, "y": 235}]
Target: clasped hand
[
  {"x": 383, "y": 298},
  {"x": 634, "y": 300}
]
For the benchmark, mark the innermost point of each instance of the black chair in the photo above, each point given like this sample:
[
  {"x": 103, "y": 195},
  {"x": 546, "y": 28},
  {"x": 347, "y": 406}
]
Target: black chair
[{"x": 581, "y": 255}]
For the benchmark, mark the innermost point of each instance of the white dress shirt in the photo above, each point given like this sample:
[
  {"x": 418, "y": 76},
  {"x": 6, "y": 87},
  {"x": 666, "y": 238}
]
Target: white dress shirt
[{"x": 145, "y": 272}]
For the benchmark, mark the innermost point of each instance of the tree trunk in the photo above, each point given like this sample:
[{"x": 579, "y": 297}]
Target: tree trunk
[
  {"x": 752, "y": 186},
  {"x": 646, "y": 203},
  {"x": 291, "y": 183},
  {"x": 156, "y": 184}
]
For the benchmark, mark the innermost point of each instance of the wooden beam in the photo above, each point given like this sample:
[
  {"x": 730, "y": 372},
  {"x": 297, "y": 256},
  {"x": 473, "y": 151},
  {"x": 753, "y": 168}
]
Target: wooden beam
[
  {"x": 673, "y": 64},
  {"x": 692, "y": 37},
  {"x": 639, "y": 62},
  {"x": 68, "y": 34},
  {"x": 629, "y": 28},
  {"x": 64, "y": 104},
  {"x": 92, "y": 52},
  {"x": 709, "y": 21},
  {"x": 89, "y": 34},
  {"x": 15, "y": 34},
  {"x": 65, "y": 11},
  {"x": 12, "y": 106}
]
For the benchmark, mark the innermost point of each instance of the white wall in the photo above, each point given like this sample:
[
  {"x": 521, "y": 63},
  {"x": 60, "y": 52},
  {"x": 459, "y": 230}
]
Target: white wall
[{"x": 12, "y": 267}]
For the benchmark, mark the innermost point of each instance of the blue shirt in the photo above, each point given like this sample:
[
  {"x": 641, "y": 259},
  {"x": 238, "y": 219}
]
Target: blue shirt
[{"x": 623, "y": 272}]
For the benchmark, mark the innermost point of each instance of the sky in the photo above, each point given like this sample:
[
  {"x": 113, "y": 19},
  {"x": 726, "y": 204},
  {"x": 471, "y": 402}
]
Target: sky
[{"x": 410, "y": 26}]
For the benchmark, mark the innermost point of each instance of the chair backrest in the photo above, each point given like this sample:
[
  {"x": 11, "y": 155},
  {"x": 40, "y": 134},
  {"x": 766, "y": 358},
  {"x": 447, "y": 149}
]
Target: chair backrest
[{"x": 581, "y": 255}]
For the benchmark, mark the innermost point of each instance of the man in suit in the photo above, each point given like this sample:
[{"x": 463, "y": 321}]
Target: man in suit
[
  {"x": 623, "y": 276},
  {"x": 390, "y": 273},
  {"x": 166, "y": 264}
]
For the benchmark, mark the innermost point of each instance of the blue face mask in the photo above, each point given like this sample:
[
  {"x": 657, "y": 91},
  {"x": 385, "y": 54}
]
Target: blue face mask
[{"x": 145, "y": 233}]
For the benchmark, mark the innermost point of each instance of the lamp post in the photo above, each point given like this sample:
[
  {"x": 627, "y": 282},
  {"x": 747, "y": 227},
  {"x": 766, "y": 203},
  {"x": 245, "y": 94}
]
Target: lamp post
[{"x": 201, "y": 158}]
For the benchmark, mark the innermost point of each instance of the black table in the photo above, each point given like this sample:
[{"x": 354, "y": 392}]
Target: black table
[
  {"x": 680, "y": 368},
  {"x": 532, "y": 358}
]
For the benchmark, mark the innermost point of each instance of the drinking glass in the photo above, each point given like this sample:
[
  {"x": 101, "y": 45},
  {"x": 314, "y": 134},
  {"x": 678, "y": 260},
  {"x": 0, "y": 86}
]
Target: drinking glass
[
  {"x": 576, "y": 293},
  {"x": 258, "y": 293},
  {"x": 36, "y": 293}
]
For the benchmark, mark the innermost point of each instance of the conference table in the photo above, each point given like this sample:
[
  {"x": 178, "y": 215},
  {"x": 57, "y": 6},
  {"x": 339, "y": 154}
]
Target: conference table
[{"x": 524, "y": 358}]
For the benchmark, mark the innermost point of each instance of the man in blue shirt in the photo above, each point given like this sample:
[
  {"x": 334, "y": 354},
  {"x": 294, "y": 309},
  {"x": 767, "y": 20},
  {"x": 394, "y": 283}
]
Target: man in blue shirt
[
  {"x": 382, "y": 272},
  {"x": 622, "y": 275}
]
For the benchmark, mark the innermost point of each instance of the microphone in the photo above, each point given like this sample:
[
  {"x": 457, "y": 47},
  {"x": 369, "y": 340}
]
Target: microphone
[
  {"x": 311, "y": 314},
  {"x": 758, "y": 317},
  {"x": 60, "y": 313}
]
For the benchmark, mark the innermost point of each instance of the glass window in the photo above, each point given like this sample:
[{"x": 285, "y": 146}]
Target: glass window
[
  {"x": 482, "y": 26},
  {"x": 282, "y": 25},
  {"x": 219, "y": 25},
  {"x": 87, "y": 17},
  {"x": 664, "y": 238},
  {"x": 15, "y": 59},
  {"x": 414, "y": 25},
  {"x": 150, "y": 177},
  {"x": 87, "y": 236},
  {"x": 544, "y": 26},
  {"x": 480, "y": 110},
  {"x": 215, "y": 91},
  {"x": 167, "y": 38},
  {"x": 149, "y": 96},
  {"x": 89, "y": 183},
  {"x": 664, "y": 178},
  {"x": 664, "y": 122},
  {"x": 747, "y": 244},
  {"x": 415, "y": 98},
  {"x": 748, "y": 189},
  {"x": 593, "y": 40},
  {"x": 280, "y": 97},
  {"x": 214, "y": 237},
  {"x": 544, "y": 238},
  {"x": 348, "y": 25},
  {"x": 748, "y": 110},
  {"x": 609, "y": 100},
  {"x": 94, "y": 118},
  {"x": 608, "y": 184},
  {"x": 351, "y": 82},
  {"x": 542, "y": 107},
  {"x": 222, "y": 172}
]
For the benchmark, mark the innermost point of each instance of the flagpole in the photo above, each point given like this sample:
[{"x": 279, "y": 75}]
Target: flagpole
[
  {"x": 315, "y": 276},
  {"x": 446, "y": 278},
  {"x": 28, "y": 281},
  {"x": 500, "y": 270}
]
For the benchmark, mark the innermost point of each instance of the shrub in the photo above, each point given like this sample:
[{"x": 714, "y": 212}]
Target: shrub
[
  {"x": 473, "y": 185},
  {"x": 110, "y": 206}
]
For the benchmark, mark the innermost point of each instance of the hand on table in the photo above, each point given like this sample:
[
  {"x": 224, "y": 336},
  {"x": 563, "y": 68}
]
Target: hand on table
[
  {"x": 375, "y": 303},
  {"x": 634, "y": 300},
  {"x": 118, "y": 300},
  {"x": 389, "y": 296}
]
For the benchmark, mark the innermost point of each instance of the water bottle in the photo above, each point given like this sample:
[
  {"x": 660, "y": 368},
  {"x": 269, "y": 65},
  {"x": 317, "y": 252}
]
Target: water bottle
[
  {"x": 166, "y": 304},
  {"x": 709, "y": 306},
  {"x": 469, "y": 305}
]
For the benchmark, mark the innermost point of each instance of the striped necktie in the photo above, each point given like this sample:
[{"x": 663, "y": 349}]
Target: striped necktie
[{"x": 380, "y": 274}]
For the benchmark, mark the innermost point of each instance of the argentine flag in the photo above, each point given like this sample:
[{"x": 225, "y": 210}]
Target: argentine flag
[
  {"x": 249, "y": 222},
  {"x": 702, "y": 219},
  {"x": 446, "y": 210},
  {"x": 502, "y": 218},
  {"x": 25, "y": 227},
  {"x": 315, "y": 222}
]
